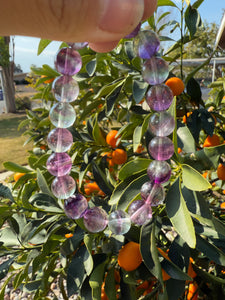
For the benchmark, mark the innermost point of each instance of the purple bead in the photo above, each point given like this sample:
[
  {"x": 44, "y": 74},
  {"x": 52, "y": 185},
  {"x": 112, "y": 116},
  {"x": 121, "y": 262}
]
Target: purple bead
[
  {"x": 159, "y": 171},
  {"x": 62, "y": 115},
  {"x": 95, "y": 219},
  {"x": 161, "y": 123},
  {"x": 161, "y": 148},
  {"x": 134, "y": 32},
  {"x": 65, "y": 89},
  {"x": 146, "y": 44},
  {"x": 140, "y": 212},
  {"x": 63, "y": 187},
  {"x": 119, "y": 222},
  {"x": 59, "y": 164},
  {"x": 60, "y": 140},
  {"x": 77, "y": 46},
  {"x": 68, "y": 61},
  {"x": 156, "y": 195},
  {"x": 155, "y": 70},
  {"x": 159, "y": 97},
  {"x": 75, "y": 206}
]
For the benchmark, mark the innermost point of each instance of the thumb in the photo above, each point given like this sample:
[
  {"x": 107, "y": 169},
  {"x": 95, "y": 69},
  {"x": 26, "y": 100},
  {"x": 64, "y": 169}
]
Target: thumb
[{"x": 98, "y": 21}]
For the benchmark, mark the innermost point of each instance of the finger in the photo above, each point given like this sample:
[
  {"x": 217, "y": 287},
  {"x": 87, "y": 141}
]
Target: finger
[
  {"x": 103, "y": 47},
  {"x": 150, "y": 7},
  {"x": 71, "y": 20}
]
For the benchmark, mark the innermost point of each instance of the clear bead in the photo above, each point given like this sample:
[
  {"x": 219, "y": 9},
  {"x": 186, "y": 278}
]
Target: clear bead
[
  {"x": 68, "y": 61},
  {"x": 65, "y": 89},
  {"x": 140, "y": 212},
  {"x": 75, "y": 206},
  {"x": 159, "y": 97},
  {"x": 62, "y": 115},
  {"x": 161, "y": 123},
  {"x": 63, "y": 187},
  {"x": 60, "y": 140},
  {"x": 159, "y": 171},
  {"x": 146, "y": 44},
  {"x": 161, "y": 148},
  {"x": 95, "y": 219},
  {"x": 59, "y": 164},
  {"x": 156, "y": 195},
  {"x": 77, "y": 46},
  {"x": 119, "y": 222},
  {"x": 145, "y": 189},
  {"x": 155, "y": 70}
]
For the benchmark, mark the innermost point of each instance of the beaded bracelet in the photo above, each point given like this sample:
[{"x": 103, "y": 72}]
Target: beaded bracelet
[{"x": 62, "y": 115}]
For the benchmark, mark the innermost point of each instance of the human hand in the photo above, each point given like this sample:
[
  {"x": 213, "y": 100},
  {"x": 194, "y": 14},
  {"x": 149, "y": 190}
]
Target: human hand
[{"x": 100, "y": 22}]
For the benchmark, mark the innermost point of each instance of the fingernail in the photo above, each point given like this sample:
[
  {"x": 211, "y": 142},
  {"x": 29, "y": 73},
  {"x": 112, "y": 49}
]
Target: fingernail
[{"x": 121, "y": 15}]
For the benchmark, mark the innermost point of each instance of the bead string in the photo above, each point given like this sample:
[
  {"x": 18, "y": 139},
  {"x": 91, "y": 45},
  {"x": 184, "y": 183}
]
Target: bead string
[{"x": 62, "y": 115}]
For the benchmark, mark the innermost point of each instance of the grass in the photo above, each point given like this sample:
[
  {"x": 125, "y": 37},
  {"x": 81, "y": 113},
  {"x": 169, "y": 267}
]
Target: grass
[{"x": 11, "y": 140}]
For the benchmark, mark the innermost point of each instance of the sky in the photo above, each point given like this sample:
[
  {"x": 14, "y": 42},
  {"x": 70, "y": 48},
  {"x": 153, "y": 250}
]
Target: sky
[{"x": 26, "y": 47}]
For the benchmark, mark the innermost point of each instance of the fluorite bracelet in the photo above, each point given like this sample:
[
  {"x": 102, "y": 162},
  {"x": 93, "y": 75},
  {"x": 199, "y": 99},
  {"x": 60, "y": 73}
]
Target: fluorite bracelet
[{"x": 161, "y": 123}]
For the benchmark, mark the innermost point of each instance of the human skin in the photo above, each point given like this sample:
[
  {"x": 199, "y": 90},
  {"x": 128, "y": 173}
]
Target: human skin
[{"x": 102, "y": 23}]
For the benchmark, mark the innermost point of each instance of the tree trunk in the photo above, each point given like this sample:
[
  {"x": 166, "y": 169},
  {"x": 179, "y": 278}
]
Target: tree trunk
[{"x": 8, "y": 84}]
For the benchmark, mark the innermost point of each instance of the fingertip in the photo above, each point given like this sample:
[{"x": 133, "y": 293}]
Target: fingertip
[{"x": 103, "y": 47}]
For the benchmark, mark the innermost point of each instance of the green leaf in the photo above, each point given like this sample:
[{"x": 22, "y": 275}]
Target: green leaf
[
  {"x": 166, "y": 3},
  {"x": 101, "y": 179},
  {"x": 185, "y": 140},
  {"x": 134, "y": 166},
  {"x": 192, "y": 19},
  {"x": 4, "y": 267},
  {"x": 149, "y": 250},
  {"x": 126, "y": 191},
  {"x": 97, "y": 133},
  {"x": 76, "y": 272},
  {"x": 179, "y": 215},
  {"x": 96, "y": 280},
  {"x": 139, "y": 90},
  {"x": 109, "y": 88},
  {"x": 42, "y": 183},
  {"x": 193, "y": 180},
  {"x": 88, "y": 262},
  {"x": 5, "y": 192},
  {"x": 110, "y": 283},
  {"x": 45, "y": 202},
  {"x": 111, "y": 100},
  {"x": 15, "y": 167},
  {"x": 137, "y": 137},
  {"x": 91, "y": 67},
  {"x": 42, "y": 45},
  {"x": 6, "y": 282},
  {"x": 211, "y": 251}
]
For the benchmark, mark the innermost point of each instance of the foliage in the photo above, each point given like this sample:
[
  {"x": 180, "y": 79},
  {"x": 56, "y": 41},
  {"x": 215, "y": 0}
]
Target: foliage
[
  {"x": 188, "y": 231},
  {"x": 22, "y": 103}
]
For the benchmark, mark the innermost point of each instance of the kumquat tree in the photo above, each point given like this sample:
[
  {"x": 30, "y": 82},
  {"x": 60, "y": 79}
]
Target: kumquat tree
[{"x": 142, "y": 222}]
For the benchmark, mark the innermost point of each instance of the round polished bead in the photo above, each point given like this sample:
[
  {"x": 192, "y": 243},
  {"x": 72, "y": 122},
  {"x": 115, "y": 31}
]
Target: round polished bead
[
  {"x": 95, "y": 219},
  {"x": 159, "y": 97},
  {"x": 68, "y": 61},
  {"x": 60, "y": 140},
  {"x": 145, "y": 189},
  {"x": 161, "y": 123},
  {"x": 119, "y": 222},
  {"x": 156, "y": 195},
  {"x": 161, "y": 148},
  {"x": 63, "y": 187},
  {"x": 62, "y": 115},
  {"x": 134, "y": 32},
  {"x": 155, "y": 70},
  {"x": 146, "y": 44},
  {"x": 159, "y": 171},
  {"x": 59, "y": 164},
  {"x": 75, "y": 206},
  {"x": 65, "y": 89},
  {"x": 140, "y": 212}
]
